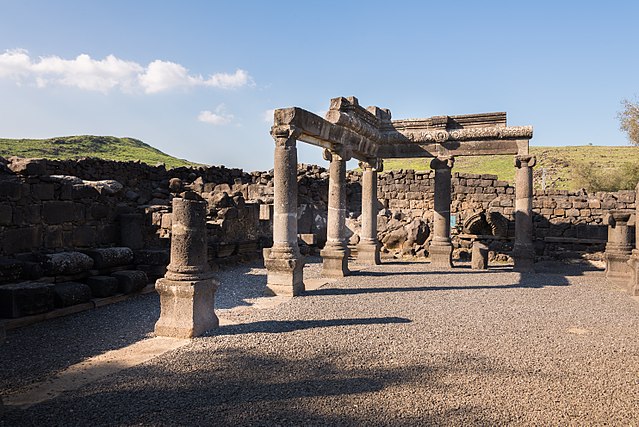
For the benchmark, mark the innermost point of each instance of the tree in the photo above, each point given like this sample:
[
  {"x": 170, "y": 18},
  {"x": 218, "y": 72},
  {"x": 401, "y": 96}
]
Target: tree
[{"x": 629, "y": 120}]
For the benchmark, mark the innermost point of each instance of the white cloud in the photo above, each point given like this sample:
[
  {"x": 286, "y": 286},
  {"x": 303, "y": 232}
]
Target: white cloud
[
  {"x": 219, "y": 117},
  {"x": 109, "y": 73},
  {"x": 267, "y": 116}
]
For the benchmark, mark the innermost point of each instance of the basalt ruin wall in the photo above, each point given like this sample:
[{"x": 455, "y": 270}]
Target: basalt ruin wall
[{"x": 51, "y": 206}]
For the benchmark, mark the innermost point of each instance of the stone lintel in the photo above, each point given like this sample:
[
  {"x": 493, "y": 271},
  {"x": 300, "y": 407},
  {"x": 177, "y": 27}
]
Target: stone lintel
[
  {"x": 413, "y": 135},
  {"x": 187, "y": 307},
  {"x": 315, "y": 130},
  {"x": 452, "y": 148}
]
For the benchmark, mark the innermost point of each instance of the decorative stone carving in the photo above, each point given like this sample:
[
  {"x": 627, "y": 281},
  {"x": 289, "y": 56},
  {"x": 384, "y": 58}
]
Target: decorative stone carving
[{"x": 187, "y": 291}]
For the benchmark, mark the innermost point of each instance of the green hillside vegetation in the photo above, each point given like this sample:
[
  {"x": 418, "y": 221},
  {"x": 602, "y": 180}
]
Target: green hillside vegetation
[
  {"x": 595, "y": 168},
  {"x": 75, "y": 147}
]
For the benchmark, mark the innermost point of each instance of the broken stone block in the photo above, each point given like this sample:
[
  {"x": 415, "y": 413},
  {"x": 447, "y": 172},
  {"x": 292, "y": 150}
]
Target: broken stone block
[
  {"x": 103, "y": 286},
  {"x": 130, "y": 281},
  {"x": 479, "y": 257},
  {"x": 71, "y": 293},
  {"x": 10, "y": 270},
  {"x": 67, "y": 263},
  {"x": 110, "y": 257},
  {"x": 26, "y": 299}
]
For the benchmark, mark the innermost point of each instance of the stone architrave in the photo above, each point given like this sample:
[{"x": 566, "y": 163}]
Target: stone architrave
[
  {"x": 619, "y": 246},
  {"x": 283, "y": 261},
  {"x": 368, "y": 246},
  {"x": 441, "y": 248},
  {"x": 335, "y": 253},
  {"x": 524, "y": 251},
  {"x": 633, "y": 262},
  {"x": 187, "y": 291}
]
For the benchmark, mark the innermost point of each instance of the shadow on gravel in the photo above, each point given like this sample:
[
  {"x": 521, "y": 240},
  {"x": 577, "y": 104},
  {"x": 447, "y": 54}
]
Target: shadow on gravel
[
  {"x": 239, "y": 386},
  {"x": 280, "y": 326}
]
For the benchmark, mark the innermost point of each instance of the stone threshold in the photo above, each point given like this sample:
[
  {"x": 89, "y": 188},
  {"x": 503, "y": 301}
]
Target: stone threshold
[{"x": 20, "y": 322}]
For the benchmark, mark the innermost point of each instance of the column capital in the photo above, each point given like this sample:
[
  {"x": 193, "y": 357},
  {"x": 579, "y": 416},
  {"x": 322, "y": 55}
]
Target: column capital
[
  {"x": 525, "y": 160},
  {"x": 285, "y": 136},
  {"x": 374, "y": 165},
  {"x": 442, "y": 162},
  {"x": 337, "y": 153},
  {"x": 618, "y": 216}
]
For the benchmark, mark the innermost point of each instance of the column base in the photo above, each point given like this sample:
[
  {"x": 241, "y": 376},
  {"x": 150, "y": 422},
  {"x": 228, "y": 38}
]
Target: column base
[
  {"x": 524, "y": 259},
  {"x": 633, "y": 262},
  {"x": 617, "y": 267},
  {"x": 441, "y": 256},
  {"x": 368, "y": 253},
  {"x": 284, "y": 277},
  {"x": 334, "y": 261},
  {"x": 186, "y": 308}
]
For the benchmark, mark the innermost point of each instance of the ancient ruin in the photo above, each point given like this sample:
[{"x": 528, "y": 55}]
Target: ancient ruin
[{"x": 369, "y": 135}]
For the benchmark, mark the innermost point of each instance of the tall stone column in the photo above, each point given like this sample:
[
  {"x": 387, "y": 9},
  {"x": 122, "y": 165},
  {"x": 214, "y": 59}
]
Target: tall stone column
[
  {"x": 368, "y": 246},
  {"x": 284, "y": 263},
  {"x": 441, "y": 248},
  {"x": 524, "y": 251},
  {"x": 335, "y": 252},
  {"x": 187, "y": 291},
  {"x": 633, "y": 262},
  {"x": 618, "y": 247}
]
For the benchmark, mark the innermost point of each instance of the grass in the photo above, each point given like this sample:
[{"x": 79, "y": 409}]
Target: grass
[
  {"x": 561, "y": 167},
  {"x": 75, "y": 147}
]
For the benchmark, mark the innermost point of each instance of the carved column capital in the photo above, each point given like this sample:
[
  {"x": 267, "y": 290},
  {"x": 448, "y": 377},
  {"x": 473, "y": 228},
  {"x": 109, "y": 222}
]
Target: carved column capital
[
  {"x": 442, "y": 162},
  {"x": 618, "y": 216},
  {"x": 374, "y": 165},
  {"x": 285, "y": 136},
  {"x": 338, "y": 153},
  {"x": 525, "y": 160}
]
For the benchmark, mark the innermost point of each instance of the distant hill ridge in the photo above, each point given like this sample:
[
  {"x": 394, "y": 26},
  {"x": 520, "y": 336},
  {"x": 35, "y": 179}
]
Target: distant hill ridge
[{"x": 75, "y": 147}]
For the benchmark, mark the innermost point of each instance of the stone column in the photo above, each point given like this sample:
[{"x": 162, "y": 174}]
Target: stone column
[
  {"x": 633, "y": 262},
  {"x": 187, "y": 291},
  {"x": 618, "y": 247},
  {"x": 441, "y": 248},
  {"x": 368, "y": 246},
  {"x": 335, "y": 252},
  {"x": 284, "y": 263},
  {"x": 524, "y": 251}
]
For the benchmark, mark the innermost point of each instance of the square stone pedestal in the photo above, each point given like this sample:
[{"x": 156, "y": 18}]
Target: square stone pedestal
[
  {"x": 617, "y": 267},
  {"x": 334, "y": 262},
  {"x": 524, "y": 259},
  {"x": 633, "y": 263},
  {"x": 187, "y": 307},
  {"x": 441, "y": 256},
  {"x": 284, "y": 276},
  {"x": 368, "y": 253}
]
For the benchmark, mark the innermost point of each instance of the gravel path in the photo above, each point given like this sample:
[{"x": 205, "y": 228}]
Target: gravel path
[{"x": 397, "y": 344}]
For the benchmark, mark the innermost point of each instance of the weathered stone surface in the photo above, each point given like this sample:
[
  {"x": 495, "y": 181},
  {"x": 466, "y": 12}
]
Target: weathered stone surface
[
  {"x": 26, "y": 298},
  {"x": 71, "y": 293},
  {"x": 110, "y": 257},
  {"x": 10, "y": 270},
  {"x": 103, "y": 286},
  {"x": 18, "y": 240},
  {"x": 130, "y": 281},
  {"x": 27, "y": 166},
  {"x": 58, "y": 212},
  {"x": 152, "y": 257},
  {"x": 67, "y": 263},
  {"x": 479, "y": 257}
]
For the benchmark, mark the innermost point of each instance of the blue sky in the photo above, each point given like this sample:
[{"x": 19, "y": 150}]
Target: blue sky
[{"x": 197, "y": 79}]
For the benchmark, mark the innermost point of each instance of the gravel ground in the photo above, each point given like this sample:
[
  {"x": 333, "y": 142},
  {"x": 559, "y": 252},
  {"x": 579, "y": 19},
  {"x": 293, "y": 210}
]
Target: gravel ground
[{"x": 398, "y": 344}]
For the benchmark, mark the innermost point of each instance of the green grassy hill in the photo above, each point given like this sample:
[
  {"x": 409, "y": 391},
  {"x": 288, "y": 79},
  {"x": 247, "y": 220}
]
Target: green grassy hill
[
  {"x": 74, "y": 147},
  {"x": 563, "y": 167}
]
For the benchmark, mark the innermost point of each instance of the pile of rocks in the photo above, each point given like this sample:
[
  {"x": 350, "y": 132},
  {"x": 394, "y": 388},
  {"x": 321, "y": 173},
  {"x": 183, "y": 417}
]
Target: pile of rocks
[{"x": 67, "y": 278}]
